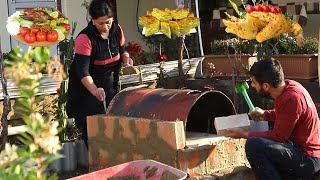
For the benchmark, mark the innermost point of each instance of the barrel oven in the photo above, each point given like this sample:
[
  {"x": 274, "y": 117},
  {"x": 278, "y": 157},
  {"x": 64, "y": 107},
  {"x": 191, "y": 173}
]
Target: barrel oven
[
  {"x": 172, "y": 126},
  {"x": 196, "y": 109}
]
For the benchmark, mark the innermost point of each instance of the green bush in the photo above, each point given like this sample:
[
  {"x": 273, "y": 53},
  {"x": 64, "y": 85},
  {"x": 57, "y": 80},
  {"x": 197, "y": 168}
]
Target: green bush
[
  {"x": 288, "y": 45},
  {"x": 231, "y": 46},
  {"x": 285, "y": 44}
]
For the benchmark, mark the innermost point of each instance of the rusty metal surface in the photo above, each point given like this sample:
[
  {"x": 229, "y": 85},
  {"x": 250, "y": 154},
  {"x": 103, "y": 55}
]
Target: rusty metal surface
[{"x": 171, "y": 105}]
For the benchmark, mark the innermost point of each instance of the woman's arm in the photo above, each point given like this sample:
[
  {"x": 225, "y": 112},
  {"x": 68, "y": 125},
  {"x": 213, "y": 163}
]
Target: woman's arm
[
  {"x": 99, "y": 93},
  {"x": 82, "y": 61},
  {"x": 124, "y": 54}
]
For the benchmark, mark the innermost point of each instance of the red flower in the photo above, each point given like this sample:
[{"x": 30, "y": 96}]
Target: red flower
[
  {"x": 162, "y": 57},
  {"x": 58, "y": 90},
  {"x": 136, "y": 52}
]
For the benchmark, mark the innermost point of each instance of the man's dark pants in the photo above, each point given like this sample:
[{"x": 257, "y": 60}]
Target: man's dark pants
[{"x": 273, "y": 160}]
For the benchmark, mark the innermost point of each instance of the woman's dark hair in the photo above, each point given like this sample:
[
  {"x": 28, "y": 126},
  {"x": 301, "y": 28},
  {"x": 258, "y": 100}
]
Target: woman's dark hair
[
  {"x": 100, "y": 8},
  {"x": 267, "y": 71}
]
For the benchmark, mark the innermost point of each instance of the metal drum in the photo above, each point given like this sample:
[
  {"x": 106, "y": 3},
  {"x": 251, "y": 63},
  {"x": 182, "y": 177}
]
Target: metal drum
[{"x": 196, "y": 109}]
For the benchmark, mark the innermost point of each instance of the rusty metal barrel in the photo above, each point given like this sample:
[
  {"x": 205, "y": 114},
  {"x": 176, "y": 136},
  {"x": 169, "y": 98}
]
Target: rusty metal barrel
[{"x": 196, "y": 109}]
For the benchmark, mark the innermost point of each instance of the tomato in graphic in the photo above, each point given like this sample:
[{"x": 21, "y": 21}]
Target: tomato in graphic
[
  {"x": 23, "y": 31},
  {"x": 45, "y": 28},
  {"x": 35, "y": 29},
  {"x": 257, "y": 8},
  {"x": 273, "y": 9},
  {"x": 52, "y": 36},
  {"x": 41, "y": 36},
  {"x": 30, "y": 37},
  {"x": 67, "y": 26},
  {"x": 249, "y": 9},
  {"x": 265, "y": 8}
]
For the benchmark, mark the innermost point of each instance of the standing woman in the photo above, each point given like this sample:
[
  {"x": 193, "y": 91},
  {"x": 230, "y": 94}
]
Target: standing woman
[{"x": 94, "y": 72}]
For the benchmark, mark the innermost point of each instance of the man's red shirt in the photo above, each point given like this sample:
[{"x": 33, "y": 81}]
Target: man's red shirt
[{"x": 295, "y": 118}]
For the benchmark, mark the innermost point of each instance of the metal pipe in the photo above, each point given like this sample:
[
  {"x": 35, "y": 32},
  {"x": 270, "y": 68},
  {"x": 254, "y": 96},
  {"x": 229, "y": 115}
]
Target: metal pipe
[{"x": 199, "y": 29}]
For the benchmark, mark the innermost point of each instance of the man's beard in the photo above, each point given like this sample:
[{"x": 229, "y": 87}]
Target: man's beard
[{"x": 263, "y": 93}]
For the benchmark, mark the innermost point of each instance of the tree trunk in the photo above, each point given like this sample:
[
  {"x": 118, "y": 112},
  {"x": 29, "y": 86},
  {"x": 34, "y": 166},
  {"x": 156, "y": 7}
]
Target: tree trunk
[
  {"x": 6, "y": 106},
  {"x": 181, "y": 74}
]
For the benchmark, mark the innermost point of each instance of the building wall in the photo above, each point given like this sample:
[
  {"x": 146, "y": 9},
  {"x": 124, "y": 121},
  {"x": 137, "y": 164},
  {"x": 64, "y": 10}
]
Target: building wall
[
  {"x": 4, "y": 35},
  {"x": 127, "y": 17},
  {"x": 73, "y": 10}
]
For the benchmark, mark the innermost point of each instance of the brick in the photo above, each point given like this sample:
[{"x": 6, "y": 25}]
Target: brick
[
  {"x": 124, "y": 139},
  {"x": 172, "y": 133},
  {"x": 92, "y": 126},
  {"x": 102, "y": 128},
  {"x": 210, "y": 159},
  {"x": 233, "y": 121}
]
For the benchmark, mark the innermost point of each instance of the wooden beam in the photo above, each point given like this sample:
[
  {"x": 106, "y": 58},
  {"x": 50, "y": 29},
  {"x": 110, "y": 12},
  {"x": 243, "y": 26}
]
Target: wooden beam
[{"x": 59, "y": 5}]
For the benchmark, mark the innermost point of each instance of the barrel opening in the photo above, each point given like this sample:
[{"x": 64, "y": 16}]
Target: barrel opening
[{"x": 202, "y": 114}]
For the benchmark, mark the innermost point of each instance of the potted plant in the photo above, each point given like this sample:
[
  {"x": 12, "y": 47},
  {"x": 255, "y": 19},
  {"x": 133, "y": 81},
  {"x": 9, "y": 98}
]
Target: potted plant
[
  {"x": 300, "y": 63},
  {"x": 228, "y": 56}
]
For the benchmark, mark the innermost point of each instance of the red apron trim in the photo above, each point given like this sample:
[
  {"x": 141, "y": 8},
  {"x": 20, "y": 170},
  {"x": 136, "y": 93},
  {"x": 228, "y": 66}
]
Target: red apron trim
[{"x": 107, "y": 61}]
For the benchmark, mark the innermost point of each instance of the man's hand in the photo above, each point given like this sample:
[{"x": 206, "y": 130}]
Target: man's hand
[
  {"x": 257, "y": 113},
  {"x": 236, "y": 133}
]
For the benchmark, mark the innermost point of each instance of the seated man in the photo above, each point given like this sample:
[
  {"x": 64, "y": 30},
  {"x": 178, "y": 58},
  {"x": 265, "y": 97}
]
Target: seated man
[{"x": 292, "y": 147}]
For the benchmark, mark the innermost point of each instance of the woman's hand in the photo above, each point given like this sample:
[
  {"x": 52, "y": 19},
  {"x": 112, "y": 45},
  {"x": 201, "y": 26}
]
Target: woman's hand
[
  {"x": 99, "y": 94},
  {"x": 257, "y": 113},
  {"x": 128, "y": 61},
  {"x": 236, "y": 133}
]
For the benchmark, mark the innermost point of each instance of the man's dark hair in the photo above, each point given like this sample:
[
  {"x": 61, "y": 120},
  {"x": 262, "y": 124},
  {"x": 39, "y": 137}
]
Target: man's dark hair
[
  {"x": 100, "y": 8},
  {"x": 267, "y": 71}
]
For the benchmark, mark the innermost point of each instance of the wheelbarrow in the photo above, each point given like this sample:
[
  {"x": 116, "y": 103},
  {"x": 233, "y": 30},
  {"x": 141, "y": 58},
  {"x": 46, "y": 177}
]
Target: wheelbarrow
[{"x": 136, "y": 170}]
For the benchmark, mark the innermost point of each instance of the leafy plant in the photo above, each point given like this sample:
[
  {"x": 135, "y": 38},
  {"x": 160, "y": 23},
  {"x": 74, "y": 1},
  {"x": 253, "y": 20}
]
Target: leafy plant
[
  {"x": 267, "y": 47},
  {"x": 170, "y": 47},
  {"x": 230, "y": 46},
  {"x": 288, "y": 45},
  {"x": 68, "y": 132},
  {"x": 41, "y": 143},
  {"x": 136, "y": 52},
  {"x": 162, "y": 77},
  {"x": 285, "y": 44},
  {"x": 138, "y": 55}
]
